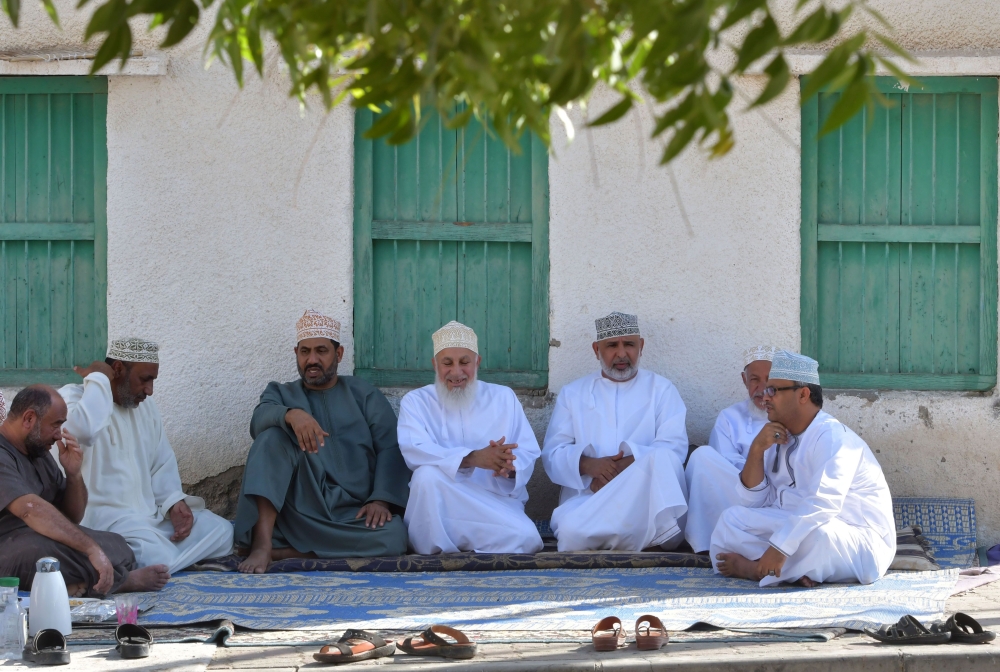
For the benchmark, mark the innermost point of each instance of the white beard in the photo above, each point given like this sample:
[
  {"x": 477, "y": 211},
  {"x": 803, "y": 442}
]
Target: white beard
[
  {"x": 756, "y": 412},
  {"x": 620, "y": 376},
  {"x": 459, "y": 398}
]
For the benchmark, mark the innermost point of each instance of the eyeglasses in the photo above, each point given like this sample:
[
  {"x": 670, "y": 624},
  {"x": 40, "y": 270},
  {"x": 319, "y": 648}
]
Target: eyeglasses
[{"x": 771, "y": 391}]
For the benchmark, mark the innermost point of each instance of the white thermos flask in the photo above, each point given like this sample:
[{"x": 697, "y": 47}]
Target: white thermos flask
[{"x": 49, "y": 600}]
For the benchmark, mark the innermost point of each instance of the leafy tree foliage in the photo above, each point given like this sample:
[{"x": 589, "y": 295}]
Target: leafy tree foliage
[{"x": 517, "y": 62}]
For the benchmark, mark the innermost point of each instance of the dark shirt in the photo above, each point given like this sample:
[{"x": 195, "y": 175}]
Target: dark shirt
[{"x": 20, "y": 476}]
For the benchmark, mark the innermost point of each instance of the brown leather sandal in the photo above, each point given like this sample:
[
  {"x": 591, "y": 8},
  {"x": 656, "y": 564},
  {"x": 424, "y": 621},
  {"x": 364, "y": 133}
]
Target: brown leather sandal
[
  {"x": 608, "y": 634},
  {"x": 650, "y": 634},
  {"x": 430, "y": 643},
  {"x": 355, "y": 645}
]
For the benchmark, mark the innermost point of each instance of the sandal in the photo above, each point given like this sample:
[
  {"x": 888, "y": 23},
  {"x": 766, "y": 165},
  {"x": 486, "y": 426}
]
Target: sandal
[
  {"x": 650, "y": 635},
  {"x": 133, "y": 641},
  {"x": 608, "y": 634},
  {"x": 366, "y": 646},
  {"x": 48, "y": 647},
  {"x": 966, "y": 630},
  {"x": 430, "y": 643},
  {"x": 910, "y": 631}
]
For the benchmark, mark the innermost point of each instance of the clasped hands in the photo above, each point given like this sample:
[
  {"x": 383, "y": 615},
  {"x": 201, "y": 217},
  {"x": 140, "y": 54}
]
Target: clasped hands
[
  {"x": 497, "y": 457},
  {"x": 603, "y": 469}
]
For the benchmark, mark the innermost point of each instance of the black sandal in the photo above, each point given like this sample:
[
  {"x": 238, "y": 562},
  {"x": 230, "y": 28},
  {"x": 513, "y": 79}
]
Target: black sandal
[
  {"x": 48, "y": 647},
  {"x": 431, "y": 643},
  {"x": 345, "y": 653},
  {"x": 966, "y": 630},
  {"x": 133, "y": 641},
  {"x": 910, "y": 631}
]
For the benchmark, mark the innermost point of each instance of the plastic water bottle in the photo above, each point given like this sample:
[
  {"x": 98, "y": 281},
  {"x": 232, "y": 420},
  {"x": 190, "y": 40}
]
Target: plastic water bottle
[
  {"x": 11, "y": 622},
  {"x": 49, "y": 599}
]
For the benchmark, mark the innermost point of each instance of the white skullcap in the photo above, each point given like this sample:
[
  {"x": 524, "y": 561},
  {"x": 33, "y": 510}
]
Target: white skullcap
[
  {"x": 455, "y": 335},
  {"x": 793, "y": 366},
  {"x": 616, "y": 325},
  {"x": 3, "y": 408},
  {"x": 758, "y": 353},
  {"x": 316, "y": 325},
  {"x": 134, "y": 350}
]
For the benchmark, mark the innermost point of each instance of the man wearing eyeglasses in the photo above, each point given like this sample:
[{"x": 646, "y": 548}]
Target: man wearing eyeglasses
[{"x": 816, "y": 506}]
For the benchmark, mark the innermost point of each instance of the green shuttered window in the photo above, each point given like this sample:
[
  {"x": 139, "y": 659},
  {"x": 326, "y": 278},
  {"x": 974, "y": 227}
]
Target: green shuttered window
[
  {"x": 899, "y": 239},
  {"x": 451, "y": 226},
  {"x": 53, "y": 239}
]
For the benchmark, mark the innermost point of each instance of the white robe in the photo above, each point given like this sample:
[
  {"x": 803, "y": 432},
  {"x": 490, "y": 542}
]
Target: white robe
[
  {"x": 713, "y": 471},
  {"x": 824, "y": 503},
  {"x": 644, "y": 505},
  {"x": 451, "y": 509},
  {"x": 132, "y": 479}
]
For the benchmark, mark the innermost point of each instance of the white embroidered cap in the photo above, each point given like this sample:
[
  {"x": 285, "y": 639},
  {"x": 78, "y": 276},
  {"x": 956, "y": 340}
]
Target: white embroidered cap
[
  {"x": 134, "y": 350},
  {"x": 316, "y": 325},
  {"x": 455, "y": 335},
  {"x": 3, "y": 408},
  {"x": 616, "y": 325},
  {"x": 792, "y": 366},
  {"x": 758, "y": 353}
]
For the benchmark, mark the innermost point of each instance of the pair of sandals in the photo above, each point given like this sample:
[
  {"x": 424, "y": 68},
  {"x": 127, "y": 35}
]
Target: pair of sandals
[
  {"x": 958, "y": 629},
  {"x": 49, "y": 647},
  {"x": 609, "y": 634},
  {"x": 358, "y": 645}
]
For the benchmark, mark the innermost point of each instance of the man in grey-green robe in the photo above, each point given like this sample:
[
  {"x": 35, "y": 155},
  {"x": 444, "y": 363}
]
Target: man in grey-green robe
[{"x": 324, "y": 477}]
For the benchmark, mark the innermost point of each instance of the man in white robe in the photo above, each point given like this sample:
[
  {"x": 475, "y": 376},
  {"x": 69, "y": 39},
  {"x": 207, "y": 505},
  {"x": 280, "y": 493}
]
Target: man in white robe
[
  {"x": 471, "y": 451},
  {"x": 817, "y": 508},
  {"x": 129, "y": 467},
  {"x": 616, "y": 444},
  {"x": 713, "y": 471}
]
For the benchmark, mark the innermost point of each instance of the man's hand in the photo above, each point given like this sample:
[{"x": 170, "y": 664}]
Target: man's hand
[
  {"x": 375, "y": 513},
  {"x": 497, "y": 457},
  {"x": 772, "y": 561},
  {"x": 605, "y": 468},
  {"x": 307, "y": 430},
  {"x": 95, "y": 367},
  {"x": 596, "y": 483},
  {"x": 105, "y": 572},
  {"x": 70, "y": 455},
  {"x": 182, "y": 519},
  {"x": 770, "y": 434}
]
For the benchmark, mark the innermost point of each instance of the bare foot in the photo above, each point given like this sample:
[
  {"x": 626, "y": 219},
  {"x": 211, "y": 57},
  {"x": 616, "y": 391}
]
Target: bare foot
[
  {"x": 146, "y": 579},
  {"x": 76, "y": 589},
  {"x": 256, "y": 562},
  {"x": 806, "y": 582},
  {"x": 736, "y": 566}
]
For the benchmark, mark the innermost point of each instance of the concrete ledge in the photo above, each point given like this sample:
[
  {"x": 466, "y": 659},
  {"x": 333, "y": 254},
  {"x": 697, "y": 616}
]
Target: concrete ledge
[{"x": 62, "y": 63}]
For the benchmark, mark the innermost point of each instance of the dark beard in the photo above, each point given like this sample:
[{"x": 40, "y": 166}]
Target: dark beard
[
  {"x": 328, "y": 375},
  {"x": 35, "y": 445},
  {"x": 125, "y": 397}
]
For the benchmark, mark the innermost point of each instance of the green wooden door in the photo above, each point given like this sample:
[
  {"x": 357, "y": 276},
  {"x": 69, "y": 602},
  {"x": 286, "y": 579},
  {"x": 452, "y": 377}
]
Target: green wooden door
[
  {"x": 451, "y": 226},
  {"x": 53, "y": 240},
  {"x": 899, "y": 225}
]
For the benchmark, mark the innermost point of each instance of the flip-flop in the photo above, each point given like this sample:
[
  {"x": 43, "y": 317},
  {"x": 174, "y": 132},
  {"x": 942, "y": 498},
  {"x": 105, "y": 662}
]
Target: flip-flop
[
  {"x": 346, "y": 653},
  {"x": 430, "y": 643},
  {"x": 48, "y": 647},
  {"x": 650, "y": 635},
  {"x": 608, "y": 634},
  {"x": 909, "y": 631},
  {"x": 133, "y": 641},
  {"x": 967, "y": 630}
]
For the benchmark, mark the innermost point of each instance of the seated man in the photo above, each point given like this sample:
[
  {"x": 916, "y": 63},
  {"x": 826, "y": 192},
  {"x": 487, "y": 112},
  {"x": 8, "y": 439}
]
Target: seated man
[
  {"x": 472, "y": 452},
  {"x": 816, "y": 505},
  {"x": 129, "y": 466},
  {"x": 303, "y": 497},
  {"x": 713, "y": 471},
  {"x": 40, "y": 508},
  {"x": 616, "y": 444}
]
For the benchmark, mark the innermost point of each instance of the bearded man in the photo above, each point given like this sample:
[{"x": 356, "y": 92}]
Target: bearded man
[
  {"x": 324, "y": 478},
  {"x": 472, "y": 452},
  {"x": 713, "y": 471},
  {"x": 129, "y": 467},
  {"x": 616, "y": 444},
  {"x": 41, "y": 508},
  {"x": 816, "y": 507}
]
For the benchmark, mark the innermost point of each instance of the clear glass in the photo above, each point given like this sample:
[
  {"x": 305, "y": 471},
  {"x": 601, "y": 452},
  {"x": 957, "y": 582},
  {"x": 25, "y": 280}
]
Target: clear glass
[
  {"x": 127, "y": 608},
  {"x": 11, "y": 627}
]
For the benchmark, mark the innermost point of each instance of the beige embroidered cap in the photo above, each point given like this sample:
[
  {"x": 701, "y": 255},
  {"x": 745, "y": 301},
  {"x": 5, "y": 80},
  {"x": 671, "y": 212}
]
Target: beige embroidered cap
[
  {"x": 455, "y": 335},
  {"x": 616, "y": 325},
  {"x": 316, "y": 325},
  {"x": 134, "y": 350},
  {"x": 758, "y": 353}
]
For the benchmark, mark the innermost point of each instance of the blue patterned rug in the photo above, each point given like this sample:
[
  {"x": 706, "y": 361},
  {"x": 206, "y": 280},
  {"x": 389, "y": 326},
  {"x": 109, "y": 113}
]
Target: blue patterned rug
[
  {"x": 534, "y": 600},
  {"x": 949, "y": 524}
]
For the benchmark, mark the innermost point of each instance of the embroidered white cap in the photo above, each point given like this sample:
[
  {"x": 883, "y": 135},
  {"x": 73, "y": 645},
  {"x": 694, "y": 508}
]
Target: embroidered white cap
[
  {"x": 316, "y": 325},
  {"x": 795, "y": 367},
  {"x": 758, "y": 353},
  {"x": 616, "y": 325},
  {"x": 455, "y": 335},
  {"x": 134, "y": 350}
]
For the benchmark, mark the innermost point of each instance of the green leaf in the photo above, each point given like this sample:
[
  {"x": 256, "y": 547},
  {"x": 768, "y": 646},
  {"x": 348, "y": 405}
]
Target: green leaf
[
  {"x": 50, "y": 9},
  {"x": 898, "y": 72},
  {"x": 778, "y": 77},
  {"x": 615, "y": 113},
  {"x": 11, "y": 8},
  {"x": 812, "y": 28},
  {"x": 740, "y": 11},
  {"x": 682, "y": 138},
  {"x": 757, "y": 44},
  {"x": 832, "y": 66},
  {"x": 854, "y": 97},
  {"x": 892, "y": 46}
]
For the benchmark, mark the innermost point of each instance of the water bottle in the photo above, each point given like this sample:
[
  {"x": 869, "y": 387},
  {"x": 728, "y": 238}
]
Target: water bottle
[
  {"x": 49, "y": 599},
  {"x": 11, "y": 628}
]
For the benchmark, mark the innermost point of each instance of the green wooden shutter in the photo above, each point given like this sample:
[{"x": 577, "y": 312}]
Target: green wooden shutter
[
  {"x": 53, "y": 227},
  {"x": 451, "y": 226},
  {"x": 899, "y": 248}
]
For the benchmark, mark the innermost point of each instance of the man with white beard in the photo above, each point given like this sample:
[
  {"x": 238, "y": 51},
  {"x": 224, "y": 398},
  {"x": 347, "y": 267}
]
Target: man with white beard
[
  {"x": 713, "y": 471},
  {"x": 617, "y": 443},
  {"x": 471, "y": 451}
]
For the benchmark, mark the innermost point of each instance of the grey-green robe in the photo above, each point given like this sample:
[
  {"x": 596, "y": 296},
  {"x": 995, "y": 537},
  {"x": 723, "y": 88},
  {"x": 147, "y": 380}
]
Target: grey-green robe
[{"x": 318, "y": 495}]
